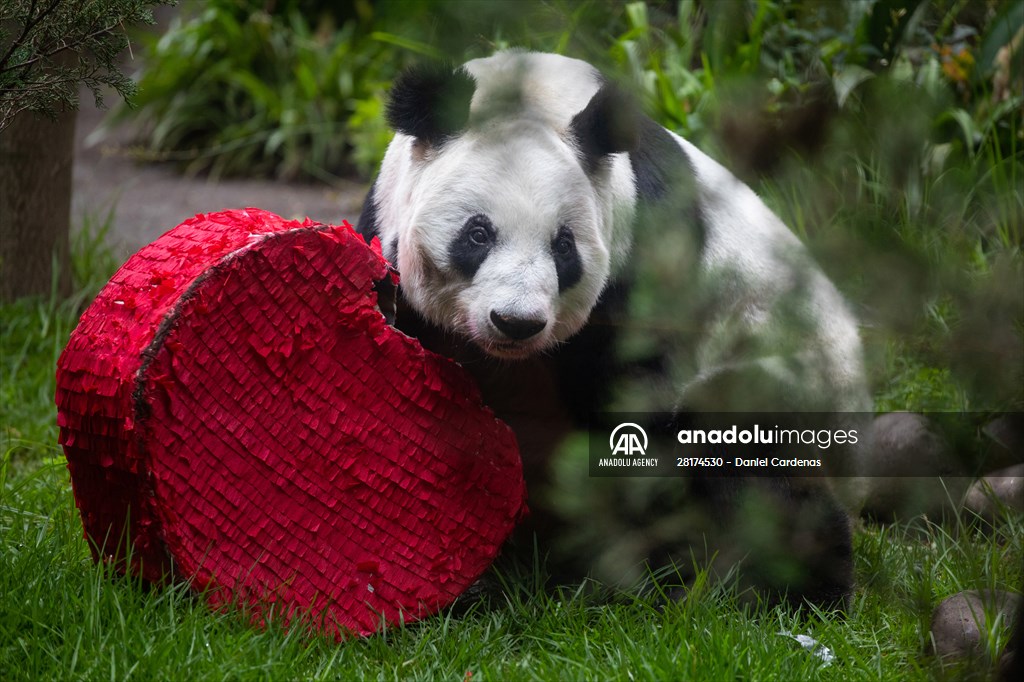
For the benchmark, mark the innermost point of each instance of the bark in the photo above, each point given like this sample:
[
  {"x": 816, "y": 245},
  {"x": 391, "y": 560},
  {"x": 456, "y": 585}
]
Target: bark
[{"x": 35, "y": 204}]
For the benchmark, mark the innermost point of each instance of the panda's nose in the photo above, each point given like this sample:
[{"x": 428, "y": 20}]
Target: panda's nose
[{"x": 517, "y": 328}]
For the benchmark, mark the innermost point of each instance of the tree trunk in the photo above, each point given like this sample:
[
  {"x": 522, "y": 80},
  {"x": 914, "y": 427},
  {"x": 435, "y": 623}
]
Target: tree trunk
[{"x": 35, "y": 204}]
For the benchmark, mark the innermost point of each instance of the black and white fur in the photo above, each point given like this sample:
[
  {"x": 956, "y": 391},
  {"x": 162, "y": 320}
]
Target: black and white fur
[{"x": 512, "y": 201}]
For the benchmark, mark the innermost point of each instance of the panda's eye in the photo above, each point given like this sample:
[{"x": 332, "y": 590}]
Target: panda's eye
[
  {"x": 478, "y": 235},
  {"x": 565, "y": 245},
  {"x": 471, "y": 246},
  {"x": 479, "y": 231},
  {"x": 567, "y": 258}
]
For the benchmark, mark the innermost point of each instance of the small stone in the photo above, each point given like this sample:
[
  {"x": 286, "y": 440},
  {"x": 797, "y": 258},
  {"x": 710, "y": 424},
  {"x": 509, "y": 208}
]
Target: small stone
[
  {"x": 1000, "y": 491},
  {"x": 959, "y": 621},
  {"x": 910, "y": 469}
]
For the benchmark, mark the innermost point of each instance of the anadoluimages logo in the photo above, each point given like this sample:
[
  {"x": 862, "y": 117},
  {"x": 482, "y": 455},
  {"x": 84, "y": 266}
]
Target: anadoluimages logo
[{"x": 628, "y": 439}]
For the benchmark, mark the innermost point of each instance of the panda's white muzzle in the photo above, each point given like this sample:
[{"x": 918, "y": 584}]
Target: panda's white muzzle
[{"x": 513, "y": 303}]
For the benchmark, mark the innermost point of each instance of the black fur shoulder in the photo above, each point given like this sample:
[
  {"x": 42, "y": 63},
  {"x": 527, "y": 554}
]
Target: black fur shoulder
[
  {"x": 609, "y": 124},
  {"x": 367, "y": 226},
  {"x": 659, "y": 163},
  {"x": 665, "y": 181}
]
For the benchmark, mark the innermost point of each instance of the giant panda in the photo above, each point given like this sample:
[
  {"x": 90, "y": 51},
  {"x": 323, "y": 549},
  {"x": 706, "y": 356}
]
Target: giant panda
[{"x": 522, "y": 198}]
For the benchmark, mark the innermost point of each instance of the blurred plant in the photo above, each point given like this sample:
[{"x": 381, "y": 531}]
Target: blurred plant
[
  {"x": 295, "y": 88},
  {"x": 49, "y": 47},
  {"x": 240, "y": 89},
  {"x": 888, "y": 134}
]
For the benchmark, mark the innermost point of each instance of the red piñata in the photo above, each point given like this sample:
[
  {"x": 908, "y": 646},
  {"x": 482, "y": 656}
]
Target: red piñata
[{"x": 236, "y": 412}]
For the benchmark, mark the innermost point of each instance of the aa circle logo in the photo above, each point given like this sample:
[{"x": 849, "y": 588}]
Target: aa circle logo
[{"x": 628, "y": 439}]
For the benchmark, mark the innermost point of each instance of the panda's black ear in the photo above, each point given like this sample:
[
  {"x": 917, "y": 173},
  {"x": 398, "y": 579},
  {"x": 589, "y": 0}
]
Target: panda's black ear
[
  {"x": 431, "y": 102},
  {"x": 609, "y": 124}
]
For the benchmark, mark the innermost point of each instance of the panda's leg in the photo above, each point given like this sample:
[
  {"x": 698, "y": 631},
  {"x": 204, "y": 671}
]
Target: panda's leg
[{"x": 790, "y": 537}]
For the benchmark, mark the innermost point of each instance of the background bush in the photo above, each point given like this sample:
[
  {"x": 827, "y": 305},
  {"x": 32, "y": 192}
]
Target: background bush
[{"x": 234, "y": 88}]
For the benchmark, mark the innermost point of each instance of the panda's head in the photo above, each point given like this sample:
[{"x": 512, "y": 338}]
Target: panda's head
[{"x": 501, "y": 219}]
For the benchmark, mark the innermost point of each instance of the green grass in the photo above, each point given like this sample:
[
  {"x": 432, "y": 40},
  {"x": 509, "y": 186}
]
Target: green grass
[{"x": 62, "y": 617}]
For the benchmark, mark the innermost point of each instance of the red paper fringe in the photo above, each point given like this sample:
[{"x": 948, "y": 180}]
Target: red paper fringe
[{"x": 235, "y": 411}]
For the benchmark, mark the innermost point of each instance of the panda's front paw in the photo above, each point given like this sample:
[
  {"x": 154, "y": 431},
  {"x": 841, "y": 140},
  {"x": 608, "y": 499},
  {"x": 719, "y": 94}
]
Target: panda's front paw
[{"x": 790, "y": 539}]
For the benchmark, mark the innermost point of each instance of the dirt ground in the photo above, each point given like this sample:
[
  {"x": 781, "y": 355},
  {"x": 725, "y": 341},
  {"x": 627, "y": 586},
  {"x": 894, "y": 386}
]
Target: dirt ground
[{"x": 149, "y": 199}]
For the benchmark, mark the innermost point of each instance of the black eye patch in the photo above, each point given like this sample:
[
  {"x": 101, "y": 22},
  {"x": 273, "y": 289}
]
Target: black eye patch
[
  {"x": 567, "y": 259},
  {"x": 472, "y": 244}
]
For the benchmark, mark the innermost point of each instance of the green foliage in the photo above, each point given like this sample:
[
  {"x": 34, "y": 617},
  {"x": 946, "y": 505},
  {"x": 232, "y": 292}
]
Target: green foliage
[
  {"x": 929, "y": 389},
  {"x": 49, "y": 48},
  {"x": 306, "y": 68},
  {"x": 888, "y": 135},
  {"x": 236, "y": 90},
  {"x": 296, "y": 89}
]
